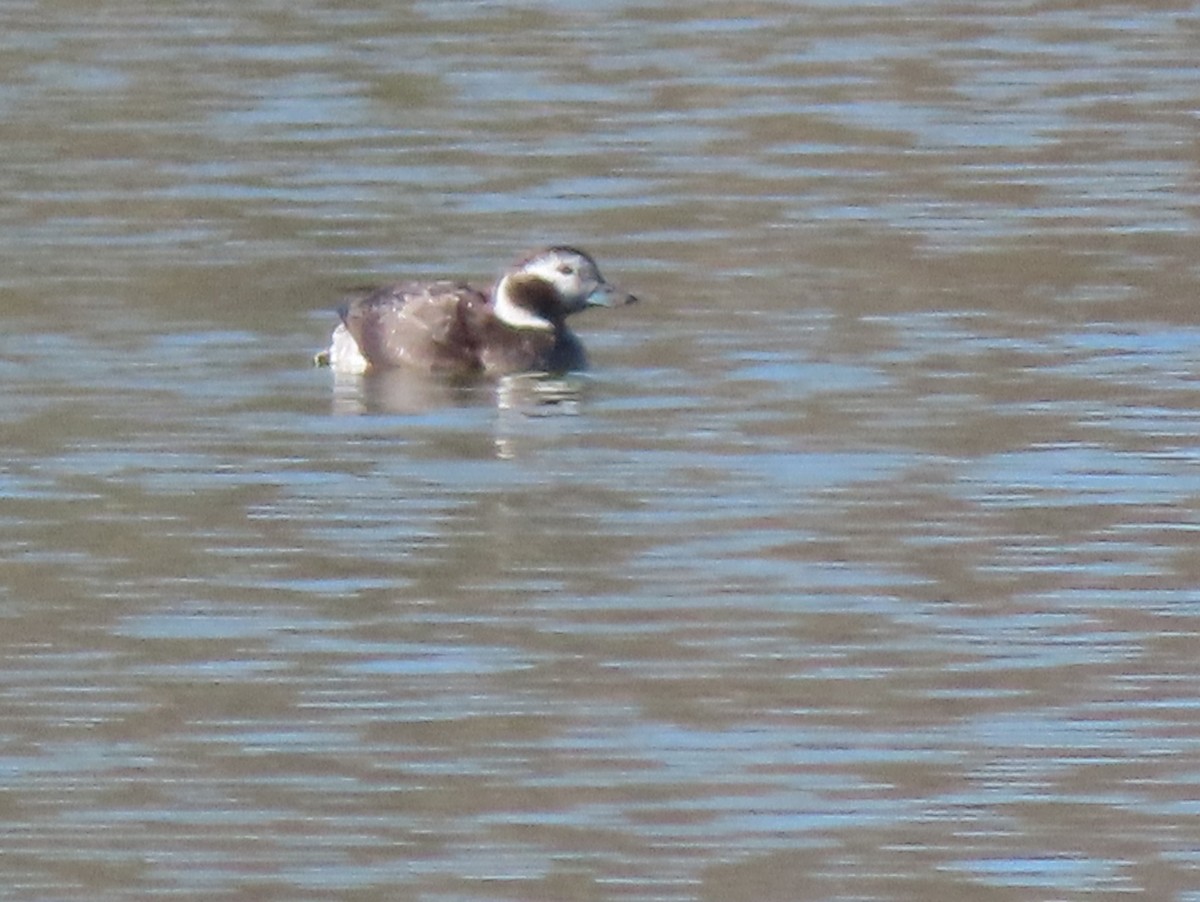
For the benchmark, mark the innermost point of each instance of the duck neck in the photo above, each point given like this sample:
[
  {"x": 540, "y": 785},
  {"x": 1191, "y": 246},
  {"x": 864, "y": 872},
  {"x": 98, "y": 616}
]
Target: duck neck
[{"x": 516, "y": 302}]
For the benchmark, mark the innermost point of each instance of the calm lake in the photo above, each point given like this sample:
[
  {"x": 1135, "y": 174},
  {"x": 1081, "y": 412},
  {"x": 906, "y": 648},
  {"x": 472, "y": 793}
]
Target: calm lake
[{"x": 863, "y": 564}]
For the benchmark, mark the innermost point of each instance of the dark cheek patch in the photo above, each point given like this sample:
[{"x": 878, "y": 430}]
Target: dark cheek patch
[{"x": 537, "y": 296}]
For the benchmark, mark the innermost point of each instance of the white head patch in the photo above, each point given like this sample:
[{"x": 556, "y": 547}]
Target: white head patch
[{"x": 573, "y": 276}]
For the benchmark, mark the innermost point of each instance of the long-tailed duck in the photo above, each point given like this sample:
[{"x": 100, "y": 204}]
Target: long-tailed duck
[{"x": 519, "y": 325}]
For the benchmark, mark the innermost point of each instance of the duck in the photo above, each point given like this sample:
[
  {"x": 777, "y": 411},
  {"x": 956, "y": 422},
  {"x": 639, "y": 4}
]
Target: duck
[{"x": 518, "y": 325}]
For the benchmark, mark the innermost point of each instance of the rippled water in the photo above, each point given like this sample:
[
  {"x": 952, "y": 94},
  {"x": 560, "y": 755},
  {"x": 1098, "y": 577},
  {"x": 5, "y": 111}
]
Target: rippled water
[{"x": 862, "y": 566}]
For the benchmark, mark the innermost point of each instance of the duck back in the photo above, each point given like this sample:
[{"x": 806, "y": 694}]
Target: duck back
[{"x": 427, "y": 326}]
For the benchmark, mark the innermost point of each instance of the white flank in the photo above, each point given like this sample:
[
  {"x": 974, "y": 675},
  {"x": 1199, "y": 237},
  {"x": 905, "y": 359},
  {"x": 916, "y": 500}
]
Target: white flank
[{"x": 344, "y": 355}]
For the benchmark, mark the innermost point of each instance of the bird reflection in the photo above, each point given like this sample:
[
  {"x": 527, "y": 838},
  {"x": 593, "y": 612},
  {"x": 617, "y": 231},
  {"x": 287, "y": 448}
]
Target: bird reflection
[
  {"x": 400, "y": 392},
  {"x": 519, "y": 400},
  {"x": 552, "y": 400}
]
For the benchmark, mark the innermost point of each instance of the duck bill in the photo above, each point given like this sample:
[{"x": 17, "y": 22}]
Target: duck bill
[{"x": 609, "y": 295}]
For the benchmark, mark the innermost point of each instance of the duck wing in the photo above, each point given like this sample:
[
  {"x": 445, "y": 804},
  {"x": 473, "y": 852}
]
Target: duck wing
[{"x": 430, "y": 326}]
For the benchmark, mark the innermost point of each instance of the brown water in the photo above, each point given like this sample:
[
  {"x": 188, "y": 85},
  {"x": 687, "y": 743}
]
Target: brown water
[{"x": 863, "y": 566}]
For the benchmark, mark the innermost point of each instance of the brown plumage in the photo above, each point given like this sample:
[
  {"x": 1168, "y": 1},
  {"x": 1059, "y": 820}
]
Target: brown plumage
[{"x": 456, "y": 329}]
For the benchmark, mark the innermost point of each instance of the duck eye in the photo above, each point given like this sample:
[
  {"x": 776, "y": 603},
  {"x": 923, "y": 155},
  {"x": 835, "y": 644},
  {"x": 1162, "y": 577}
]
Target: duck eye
[{"x": 566, "y": 269}]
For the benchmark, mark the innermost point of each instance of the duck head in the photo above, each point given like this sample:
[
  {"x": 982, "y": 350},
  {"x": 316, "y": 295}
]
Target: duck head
[{"x": 542, "y": 289}]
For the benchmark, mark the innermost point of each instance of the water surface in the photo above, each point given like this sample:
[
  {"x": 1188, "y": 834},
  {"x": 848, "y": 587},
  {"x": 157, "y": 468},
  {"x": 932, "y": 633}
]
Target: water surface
[{"x": 862, "y": 566}]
